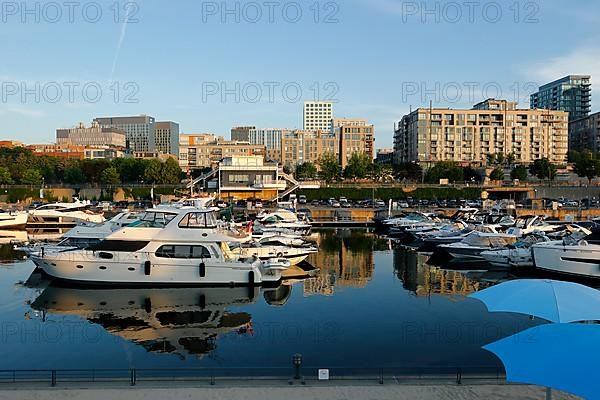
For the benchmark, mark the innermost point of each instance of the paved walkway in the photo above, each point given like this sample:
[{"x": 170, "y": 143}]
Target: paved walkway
[{"x": 347, "y": 392}]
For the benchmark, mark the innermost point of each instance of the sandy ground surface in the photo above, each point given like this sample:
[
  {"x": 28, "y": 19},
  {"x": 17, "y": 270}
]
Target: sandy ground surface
[{"x": 391, "y": 392}]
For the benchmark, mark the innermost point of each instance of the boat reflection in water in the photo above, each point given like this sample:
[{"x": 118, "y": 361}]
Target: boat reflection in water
[
  {"x": 425, "y": 279},
  {"x": 183, "y": 321}
]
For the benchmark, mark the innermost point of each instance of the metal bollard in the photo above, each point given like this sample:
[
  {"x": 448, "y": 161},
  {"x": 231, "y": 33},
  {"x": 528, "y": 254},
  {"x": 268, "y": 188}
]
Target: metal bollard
[
  {"x": 459, "y": 376},
  {"x": 133, "y": 377},
  {"x": 53, "y": 378},
  {"x": 297, "y": 361}
]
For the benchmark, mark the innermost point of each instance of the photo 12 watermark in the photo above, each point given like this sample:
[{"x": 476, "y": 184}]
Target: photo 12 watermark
[
  {"x": 453, "y": 12},
  {"x": 270, "y": 12},
  {"x": 466, "y": 333},
  {"x": 53, "y": 12},
  {"x": 271, "y": 92},
  {"x": 68, "y": 92},
  {"x": 466, "y": 92}
]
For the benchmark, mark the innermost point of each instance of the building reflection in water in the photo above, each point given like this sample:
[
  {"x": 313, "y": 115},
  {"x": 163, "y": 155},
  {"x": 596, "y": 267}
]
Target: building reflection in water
[
  {"x": 345, "y": 258},
  {"x": 423, "y": 279},
  {"x": 183, "y": 321}
]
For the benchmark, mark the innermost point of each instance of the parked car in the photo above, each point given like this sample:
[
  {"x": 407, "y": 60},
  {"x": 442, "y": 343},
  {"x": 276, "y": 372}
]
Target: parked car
[
  {"x": 345, "y": 204},
  {"x": 380, "y": 203},
  {"x": 302, "y": 199}
]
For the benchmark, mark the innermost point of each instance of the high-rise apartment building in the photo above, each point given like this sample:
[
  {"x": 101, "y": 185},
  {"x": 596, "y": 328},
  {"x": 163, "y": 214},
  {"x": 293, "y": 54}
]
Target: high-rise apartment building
[
  {"x": 571, "y": 94},
  {"x": 166, "y": 137},
  {"x": 430, "y": 135},
  {"x": 584, "y": 133},
  {"x": 318, "y": 116},
  {"x": 139, "y": 131},
  {"x": 94, "y": 135}
]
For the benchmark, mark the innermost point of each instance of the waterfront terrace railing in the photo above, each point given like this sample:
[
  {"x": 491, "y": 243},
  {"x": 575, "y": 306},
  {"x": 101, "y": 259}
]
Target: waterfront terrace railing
[{"x": 214, "y": 376}]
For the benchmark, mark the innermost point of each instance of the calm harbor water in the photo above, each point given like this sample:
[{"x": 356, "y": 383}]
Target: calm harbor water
[{"x": 372, "y": 304}]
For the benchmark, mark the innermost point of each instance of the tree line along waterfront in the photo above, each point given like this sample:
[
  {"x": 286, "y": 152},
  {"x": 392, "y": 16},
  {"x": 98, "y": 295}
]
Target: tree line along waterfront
[{"x": 20, "y": 166}]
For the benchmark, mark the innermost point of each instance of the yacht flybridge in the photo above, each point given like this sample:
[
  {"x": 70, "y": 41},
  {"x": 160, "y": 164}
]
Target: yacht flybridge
[{"x": 186, "y": 248}]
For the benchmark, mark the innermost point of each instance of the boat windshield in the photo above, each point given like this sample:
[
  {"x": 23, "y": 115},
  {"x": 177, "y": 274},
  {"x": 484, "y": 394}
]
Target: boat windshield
[
  {"x": 152, "y": 219},
  {"x": 487, "y": 241},
  {"x": 199, "y": 220}
]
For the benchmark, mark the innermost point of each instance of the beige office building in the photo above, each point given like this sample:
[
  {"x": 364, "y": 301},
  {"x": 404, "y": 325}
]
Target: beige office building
[
  {"x": 355, "y": 136},
  {"x": 431, "y": 135},
  {"x": 206, "y": 150},
  {"x": 300, "y": 146},
  {"x": 94, "y": 135},
  {"x": 318, "y": 115}
]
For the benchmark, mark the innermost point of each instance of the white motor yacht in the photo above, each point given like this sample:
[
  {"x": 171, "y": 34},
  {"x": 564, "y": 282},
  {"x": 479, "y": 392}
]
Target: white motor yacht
[
  {"x": 13, "y": 219},
  {"x": 570, "y": 256},
  {"x": 295, "y": 255},
  {"x": 189, "y": 249},
  {"x": 281, "y": 220},
  {"x": 476, "y": 242},
  {"x": 412, "y": 220},
  {"x": 517, "y": 254},
  {"x": 61, "y": 214}
]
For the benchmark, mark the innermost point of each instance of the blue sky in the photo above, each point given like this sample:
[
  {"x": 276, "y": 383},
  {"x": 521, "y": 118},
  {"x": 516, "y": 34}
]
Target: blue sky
[{"x": 376, "y": 58}]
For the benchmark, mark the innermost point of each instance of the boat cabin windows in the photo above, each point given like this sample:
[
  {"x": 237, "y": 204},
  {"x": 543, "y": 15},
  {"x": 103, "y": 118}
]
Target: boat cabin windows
[
  {"x": 119, "y": 245},
  {"x": 198, "y": 220},
  {"x": 183, "y": 251},
  {"x": 80, "y": 243},
  {"x": 152, "y": 219}
]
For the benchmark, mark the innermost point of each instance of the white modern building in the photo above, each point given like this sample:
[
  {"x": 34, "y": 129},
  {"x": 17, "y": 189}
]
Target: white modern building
[{"x": 318, "y": 116}]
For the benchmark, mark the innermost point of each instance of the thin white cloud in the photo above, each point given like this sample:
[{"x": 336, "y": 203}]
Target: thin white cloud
[
  {"x": 584, "y": 60},
  {"x": 23, "y": 111},
  {"x": 120, "y": 43}
]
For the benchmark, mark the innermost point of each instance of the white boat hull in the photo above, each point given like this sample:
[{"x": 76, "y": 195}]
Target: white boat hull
[
  {"x": 72, "y": 266},
  {"x": 13, "y": 221},
  {"x": 580, "y": 260}
]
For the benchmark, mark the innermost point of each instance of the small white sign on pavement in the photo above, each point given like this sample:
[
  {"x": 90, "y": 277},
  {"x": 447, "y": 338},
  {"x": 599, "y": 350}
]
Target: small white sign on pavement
[{"x": 323, "y": 374}]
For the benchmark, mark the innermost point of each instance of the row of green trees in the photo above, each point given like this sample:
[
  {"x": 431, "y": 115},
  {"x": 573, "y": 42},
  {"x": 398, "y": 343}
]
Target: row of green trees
[
  {"x": 586, "y": 164},
  {"x": 20, "y": 166},
  {"x": 360, "y": 166}
]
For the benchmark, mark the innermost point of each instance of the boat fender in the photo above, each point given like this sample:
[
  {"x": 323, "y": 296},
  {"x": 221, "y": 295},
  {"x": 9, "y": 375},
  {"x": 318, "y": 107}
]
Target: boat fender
[
  {"x": 251, "y": 278},
  {"x": 147, "y": 268},
  {"x": 202, "y": 301},
  {"x": 202, "y": 270},
  {"x": 148, "y": 305}
]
